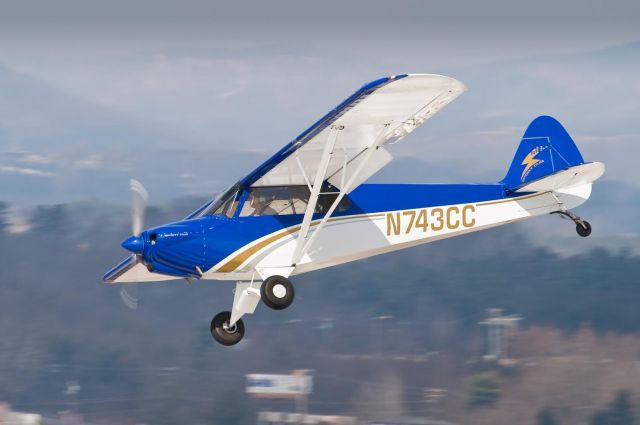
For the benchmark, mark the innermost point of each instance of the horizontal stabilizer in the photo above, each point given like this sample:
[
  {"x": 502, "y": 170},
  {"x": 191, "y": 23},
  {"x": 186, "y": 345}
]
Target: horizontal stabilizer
[{"x": 579, "y": 175}]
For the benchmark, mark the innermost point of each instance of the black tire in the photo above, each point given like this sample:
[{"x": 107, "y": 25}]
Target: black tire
[
  {"x": 277, "y": 292},
  {"x": 220, "y": 331},
  {"x": 583, "y": 229}
]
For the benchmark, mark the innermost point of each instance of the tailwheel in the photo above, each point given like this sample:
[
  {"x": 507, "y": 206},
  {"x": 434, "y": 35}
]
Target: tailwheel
[
  {"x": 224, "y": 333},
  {"x": 583, "y": 228},
  {"x": 277, "y": 292}
]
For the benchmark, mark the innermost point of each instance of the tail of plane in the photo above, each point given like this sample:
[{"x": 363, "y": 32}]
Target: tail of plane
[{"x": 546, "y": 148}]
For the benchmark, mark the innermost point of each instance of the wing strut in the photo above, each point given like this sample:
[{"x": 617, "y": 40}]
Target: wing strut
[
  {"x": 303, "y": 245},
  {"x": 315, "y": 192}
]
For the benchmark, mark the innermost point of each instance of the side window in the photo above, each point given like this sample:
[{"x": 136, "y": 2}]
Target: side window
[
  {"x": 325, "y": 201},
  {"x": 287, "y": 200}
]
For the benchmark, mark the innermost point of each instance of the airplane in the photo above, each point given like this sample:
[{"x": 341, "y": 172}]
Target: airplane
[{"x": 308, "y": 207}]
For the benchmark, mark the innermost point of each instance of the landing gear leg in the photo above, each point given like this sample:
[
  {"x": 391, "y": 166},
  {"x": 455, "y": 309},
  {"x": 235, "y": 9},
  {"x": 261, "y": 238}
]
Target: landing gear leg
[
  {"x": 583, "y": 228},
  {"x": 227, "y": 327}
]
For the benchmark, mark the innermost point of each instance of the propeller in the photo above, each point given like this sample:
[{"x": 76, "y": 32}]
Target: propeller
[
  {"x": 139, "y": 196},
  {"x": 131, "y": 300},
  {"x": 135, "y": 243}
]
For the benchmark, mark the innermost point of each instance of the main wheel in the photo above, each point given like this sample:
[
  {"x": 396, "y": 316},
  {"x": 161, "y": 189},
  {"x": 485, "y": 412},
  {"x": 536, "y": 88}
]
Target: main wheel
[
  {"x": 277, "y": 292},
  {"x": 223, "y": 333},
  {"x": 583, "y": 229}
]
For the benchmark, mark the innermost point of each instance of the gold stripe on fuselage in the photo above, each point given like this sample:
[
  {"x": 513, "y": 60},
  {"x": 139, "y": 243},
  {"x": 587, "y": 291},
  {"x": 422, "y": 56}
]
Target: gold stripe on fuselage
[{"x": 237, "y": 261}]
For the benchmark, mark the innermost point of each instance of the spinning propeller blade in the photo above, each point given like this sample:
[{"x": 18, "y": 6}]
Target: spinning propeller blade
[
  {"x": 130, "y": 297},
  {"x": 139, "y": 196}
]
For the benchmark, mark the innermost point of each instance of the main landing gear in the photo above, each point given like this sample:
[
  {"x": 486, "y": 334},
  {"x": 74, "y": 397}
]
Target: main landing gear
[
  {"x": 225, "y": 333},
  {"x": 583, "y": 228},
  {"x": 277, "y": 292}
]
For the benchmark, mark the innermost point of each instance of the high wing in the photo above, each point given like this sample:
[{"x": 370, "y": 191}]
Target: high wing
[
  {"x": 343, "y": 148},
  {"x": 346, "y": 146},
  {"x": 381, "y": 112}
]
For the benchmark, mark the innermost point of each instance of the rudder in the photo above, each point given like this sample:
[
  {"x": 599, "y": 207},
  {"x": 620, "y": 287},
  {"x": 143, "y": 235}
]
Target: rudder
[{"x": 545, "y": 148}]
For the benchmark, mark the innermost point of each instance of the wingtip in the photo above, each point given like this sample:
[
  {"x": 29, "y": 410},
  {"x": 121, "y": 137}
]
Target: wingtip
[{"x": 457, "y": 84}]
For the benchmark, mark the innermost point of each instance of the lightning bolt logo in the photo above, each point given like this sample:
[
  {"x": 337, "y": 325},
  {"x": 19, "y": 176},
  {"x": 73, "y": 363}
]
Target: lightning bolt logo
[{"x": 529, "y": 162}]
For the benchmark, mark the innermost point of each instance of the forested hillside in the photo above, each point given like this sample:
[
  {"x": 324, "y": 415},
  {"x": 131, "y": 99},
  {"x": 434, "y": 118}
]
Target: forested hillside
[{"x": 376, "y": 332}]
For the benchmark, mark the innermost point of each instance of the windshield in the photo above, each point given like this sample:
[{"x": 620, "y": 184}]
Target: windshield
[{"x": 225, "y": 204}]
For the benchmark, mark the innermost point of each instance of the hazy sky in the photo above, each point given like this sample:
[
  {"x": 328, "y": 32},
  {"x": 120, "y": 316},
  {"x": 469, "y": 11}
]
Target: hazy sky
[
  {"x": 576, "y": 23},
  {"x": 102, "y": 87}
]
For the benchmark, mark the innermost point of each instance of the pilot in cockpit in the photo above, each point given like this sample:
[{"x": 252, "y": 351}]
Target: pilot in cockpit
[{"x": 260, "y": 205}]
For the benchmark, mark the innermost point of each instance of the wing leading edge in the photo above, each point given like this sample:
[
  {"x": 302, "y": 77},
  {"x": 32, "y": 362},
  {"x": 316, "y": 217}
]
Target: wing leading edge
[{"x": 381, "y": 112}]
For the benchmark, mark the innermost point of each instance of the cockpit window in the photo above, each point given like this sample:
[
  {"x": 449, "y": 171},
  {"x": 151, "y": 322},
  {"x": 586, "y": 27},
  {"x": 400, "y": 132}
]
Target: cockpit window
[
  {"x": 284, "y": 200},
  {"x": 287, "y": 200},
  {"x": 326, "y": 200}
]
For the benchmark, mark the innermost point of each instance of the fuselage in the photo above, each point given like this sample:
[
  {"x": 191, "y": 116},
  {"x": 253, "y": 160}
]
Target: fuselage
[{"x": 375, "y": 218}]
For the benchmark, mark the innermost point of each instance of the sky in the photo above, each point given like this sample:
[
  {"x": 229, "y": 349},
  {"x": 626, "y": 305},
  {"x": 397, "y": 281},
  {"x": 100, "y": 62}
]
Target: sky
[{"x": 189, "y": 96}]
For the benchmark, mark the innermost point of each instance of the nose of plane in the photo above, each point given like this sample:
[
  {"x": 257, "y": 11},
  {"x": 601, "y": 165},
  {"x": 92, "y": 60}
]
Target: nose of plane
[{"x": 134, "y": 244}]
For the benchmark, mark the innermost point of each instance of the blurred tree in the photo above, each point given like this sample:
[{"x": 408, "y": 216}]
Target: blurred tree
[
  {"x": 50, "y": 219},
  {"x": 545, "y": 417},
  {"x": 618, "y": 412},
  {"x": 4, "y": 217},
  {"x": 484, "y": 390},
  {"x": 58, "y": 324},
  {"x": 231, "y": 407}
]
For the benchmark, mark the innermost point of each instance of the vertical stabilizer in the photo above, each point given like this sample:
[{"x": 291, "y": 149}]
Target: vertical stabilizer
[{"x": 545, "y": 148}]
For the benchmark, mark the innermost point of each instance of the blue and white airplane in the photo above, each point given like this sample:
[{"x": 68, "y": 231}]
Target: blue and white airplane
[{"x": 308, "y": 207}]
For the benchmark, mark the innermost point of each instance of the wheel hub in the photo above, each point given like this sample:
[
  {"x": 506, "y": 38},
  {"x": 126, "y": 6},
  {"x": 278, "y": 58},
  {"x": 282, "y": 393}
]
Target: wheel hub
[
  {"x": 229, "y": 329},
  {"x": 279, "y": 291}
]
